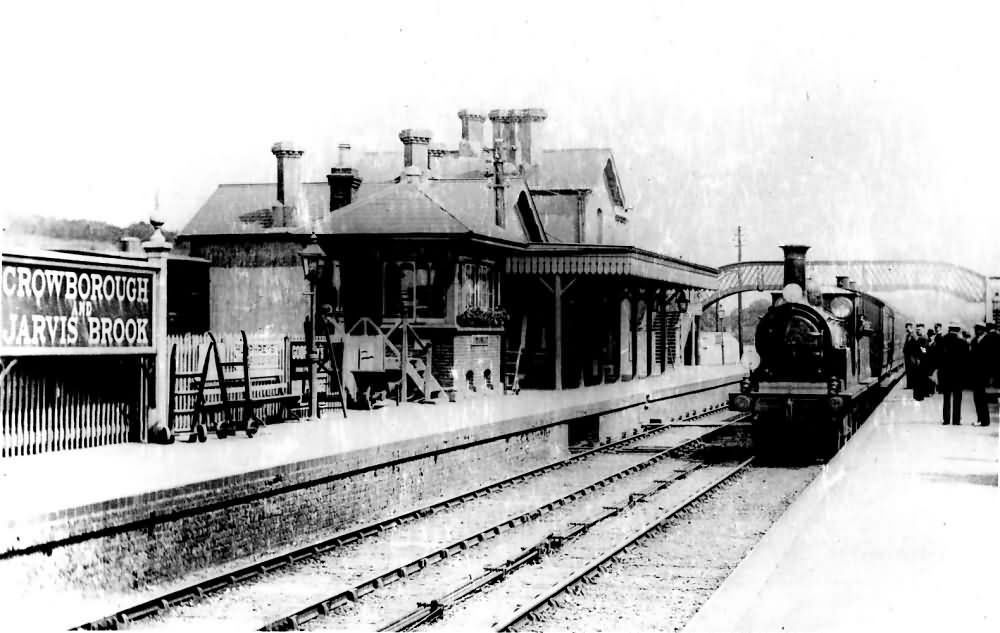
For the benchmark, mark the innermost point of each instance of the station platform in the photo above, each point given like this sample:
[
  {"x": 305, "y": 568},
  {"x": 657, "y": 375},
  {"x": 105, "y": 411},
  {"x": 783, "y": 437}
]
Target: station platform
[
  {"x": 42, "y": 486},
  {"x": 899, "y": 533}
]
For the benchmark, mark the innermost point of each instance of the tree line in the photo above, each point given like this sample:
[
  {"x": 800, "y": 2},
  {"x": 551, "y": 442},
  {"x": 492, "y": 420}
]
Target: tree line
[
  {"x": 91, "y": 230},
  {"x": 752, "y": 313}
]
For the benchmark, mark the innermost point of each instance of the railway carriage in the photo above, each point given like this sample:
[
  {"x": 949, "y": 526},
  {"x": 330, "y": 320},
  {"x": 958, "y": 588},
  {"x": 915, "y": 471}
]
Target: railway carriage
[{"x": 827, "y": 357}]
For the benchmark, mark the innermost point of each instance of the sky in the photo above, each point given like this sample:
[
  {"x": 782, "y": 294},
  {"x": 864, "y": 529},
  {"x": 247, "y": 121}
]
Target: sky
[{"x": 867, "y": 130}]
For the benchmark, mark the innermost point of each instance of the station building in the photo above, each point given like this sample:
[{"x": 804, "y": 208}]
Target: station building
[{"x": 506, "y": 260}]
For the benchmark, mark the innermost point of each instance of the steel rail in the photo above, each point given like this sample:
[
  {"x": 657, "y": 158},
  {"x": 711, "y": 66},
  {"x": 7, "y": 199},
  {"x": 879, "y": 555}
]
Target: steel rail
[
  {"x": 327, "y": 605},
  {"x": 428, "y": 612},
  {"x": 595, "y": 566},
  {"x": 154, "y": 606}
]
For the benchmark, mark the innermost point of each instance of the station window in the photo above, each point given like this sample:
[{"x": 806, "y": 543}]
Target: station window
[
  {"x": 415, "y": 289},
  {"x": 479, "y": 286}
]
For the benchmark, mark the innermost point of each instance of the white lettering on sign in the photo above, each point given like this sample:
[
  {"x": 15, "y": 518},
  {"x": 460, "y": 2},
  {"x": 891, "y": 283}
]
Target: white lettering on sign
[
  {"x": 23, "y": 282},
  {"x": 51, "y": 305}
]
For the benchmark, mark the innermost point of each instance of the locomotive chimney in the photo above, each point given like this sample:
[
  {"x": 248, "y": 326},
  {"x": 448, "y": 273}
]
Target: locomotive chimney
[
  {"x": 843, "y": 281},
  {"x": 795, "y": 264}
]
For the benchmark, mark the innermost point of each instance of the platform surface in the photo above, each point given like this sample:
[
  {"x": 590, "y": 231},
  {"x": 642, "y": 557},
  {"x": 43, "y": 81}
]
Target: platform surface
[
  {"x": 899, "y": 533},
  {"x": 38, "y": 484}
]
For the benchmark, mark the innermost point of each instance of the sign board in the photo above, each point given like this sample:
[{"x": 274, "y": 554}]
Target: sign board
[
  {"x": 300, "y": 359},
  {"x": 53, "y": 303}
]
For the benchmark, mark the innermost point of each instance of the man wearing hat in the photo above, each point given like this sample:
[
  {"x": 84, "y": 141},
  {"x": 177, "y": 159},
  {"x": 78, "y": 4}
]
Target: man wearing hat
[
  {"x": 910, "y": 353},
  {"x": 951, "y": 353},
  {"x": 979, "y": 368},
  {"x": 920, "y": 363}
]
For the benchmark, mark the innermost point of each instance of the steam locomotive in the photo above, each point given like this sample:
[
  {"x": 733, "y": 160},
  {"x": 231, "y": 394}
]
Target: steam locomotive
[{"x": 828, "y": 355}]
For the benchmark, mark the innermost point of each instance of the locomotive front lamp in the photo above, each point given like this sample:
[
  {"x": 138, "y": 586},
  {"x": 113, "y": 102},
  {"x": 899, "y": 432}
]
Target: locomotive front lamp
[{"x": 840, "y": 307}]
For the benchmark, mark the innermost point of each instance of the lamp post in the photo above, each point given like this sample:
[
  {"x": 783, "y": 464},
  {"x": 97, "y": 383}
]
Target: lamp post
[{"x": 313, "y": 257}]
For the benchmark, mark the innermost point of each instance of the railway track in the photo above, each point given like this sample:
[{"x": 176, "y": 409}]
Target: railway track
[
  {"x": 435, "y": 609},
  {"x": 589, "y": 569},
  {"x": 157, "y": 607},
  {"x": 343, "y": 611}
]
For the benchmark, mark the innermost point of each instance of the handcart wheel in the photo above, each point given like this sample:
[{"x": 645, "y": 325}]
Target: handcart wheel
[{"x": 201, "y": 432}]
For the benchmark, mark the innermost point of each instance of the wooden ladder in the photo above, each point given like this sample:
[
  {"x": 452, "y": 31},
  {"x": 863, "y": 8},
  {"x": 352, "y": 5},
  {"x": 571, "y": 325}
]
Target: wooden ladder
[{"x": 332, "y": 364}]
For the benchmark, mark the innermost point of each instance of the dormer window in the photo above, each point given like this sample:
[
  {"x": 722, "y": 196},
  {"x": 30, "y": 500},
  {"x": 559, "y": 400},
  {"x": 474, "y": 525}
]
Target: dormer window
[{"x": 611, "y": 179}]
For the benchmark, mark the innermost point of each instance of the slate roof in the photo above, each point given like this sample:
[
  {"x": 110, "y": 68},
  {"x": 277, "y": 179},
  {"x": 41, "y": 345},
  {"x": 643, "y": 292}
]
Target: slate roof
[
  {"x": 246, "y": 208},
  {"x": 581, "y": 168},
  {"x": 386, "y": 166},
  {"x": 460, "y": 189},
  {"x": 577, "y": 168},
  {"x": 430, "y": 207}
]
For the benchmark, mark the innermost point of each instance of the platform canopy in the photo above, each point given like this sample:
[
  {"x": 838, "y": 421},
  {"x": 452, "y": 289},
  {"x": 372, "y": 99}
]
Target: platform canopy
[{"x": 599, "y": 259}]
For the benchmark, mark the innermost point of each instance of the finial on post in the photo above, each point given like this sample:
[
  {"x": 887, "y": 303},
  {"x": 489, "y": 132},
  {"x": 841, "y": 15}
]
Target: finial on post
[{"x": 157, "y": 236}]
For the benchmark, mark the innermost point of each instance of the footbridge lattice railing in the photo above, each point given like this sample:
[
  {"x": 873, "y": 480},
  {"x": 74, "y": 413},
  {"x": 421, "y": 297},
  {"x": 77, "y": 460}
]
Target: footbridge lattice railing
[{"x": 871, "y": 276}]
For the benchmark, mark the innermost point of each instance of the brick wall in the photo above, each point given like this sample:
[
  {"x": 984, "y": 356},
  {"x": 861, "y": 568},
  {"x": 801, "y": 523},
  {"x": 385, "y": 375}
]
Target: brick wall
[
  {"x": 443, "y": 355},
  {"x": 160, "y": 537},
  {"x": 477, "y": 352}
]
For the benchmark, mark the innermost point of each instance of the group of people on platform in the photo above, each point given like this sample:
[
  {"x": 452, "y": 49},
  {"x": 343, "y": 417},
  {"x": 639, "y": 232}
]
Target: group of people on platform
[{"x": 951, "y": 362}]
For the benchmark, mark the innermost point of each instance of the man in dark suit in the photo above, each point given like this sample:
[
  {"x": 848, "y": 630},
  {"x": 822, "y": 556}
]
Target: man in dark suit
[
  {"x": 909, "y": 355},
  {"x": 979, "y": 369},
  {"x": 951, "y": 353},
  {"x": 918, "y": 352}
]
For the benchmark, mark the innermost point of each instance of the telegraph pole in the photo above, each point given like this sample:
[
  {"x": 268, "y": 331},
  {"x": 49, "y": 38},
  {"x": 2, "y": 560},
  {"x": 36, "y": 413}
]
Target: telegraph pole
[{"x": 739, "y": 295}]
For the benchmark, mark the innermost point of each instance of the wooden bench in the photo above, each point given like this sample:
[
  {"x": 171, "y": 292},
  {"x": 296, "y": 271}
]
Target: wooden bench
[{"x": 222, "y": 387}]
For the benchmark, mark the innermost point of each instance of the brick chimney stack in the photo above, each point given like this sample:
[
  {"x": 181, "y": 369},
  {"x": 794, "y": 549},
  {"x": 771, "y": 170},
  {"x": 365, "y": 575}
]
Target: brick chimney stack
[
  {"x": 472, "y": 133},
  {"x": 344, "y": 180},
  {"x": 289, "y": 173},
  {"x": 504, "y": 124},
  {"x": 530, "y": 134},
  {"x": 521, "y": 134},
  {"x": 435, "y": 152},
  {"x": 415, "y": 146}
]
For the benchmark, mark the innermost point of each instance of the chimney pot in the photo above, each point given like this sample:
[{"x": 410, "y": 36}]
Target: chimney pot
[
  {"x": 415, "y": 146},
  {"x": 435, "y": 152},
  {"x": 289, "y": 160},
  {"x": 344, "y": 184},
  {"x": 344, "y": 155},
  {"x": 472, "y": 133},
  {"x": 520, "y": 133},
  {"x": 530, "y": 138},
  {"x": 505, "y": 133}
]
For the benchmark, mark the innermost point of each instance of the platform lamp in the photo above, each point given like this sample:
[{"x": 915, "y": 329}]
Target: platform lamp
[
  {"x": 313, "y": 258},
  {"x": 682, "y": 301}
]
